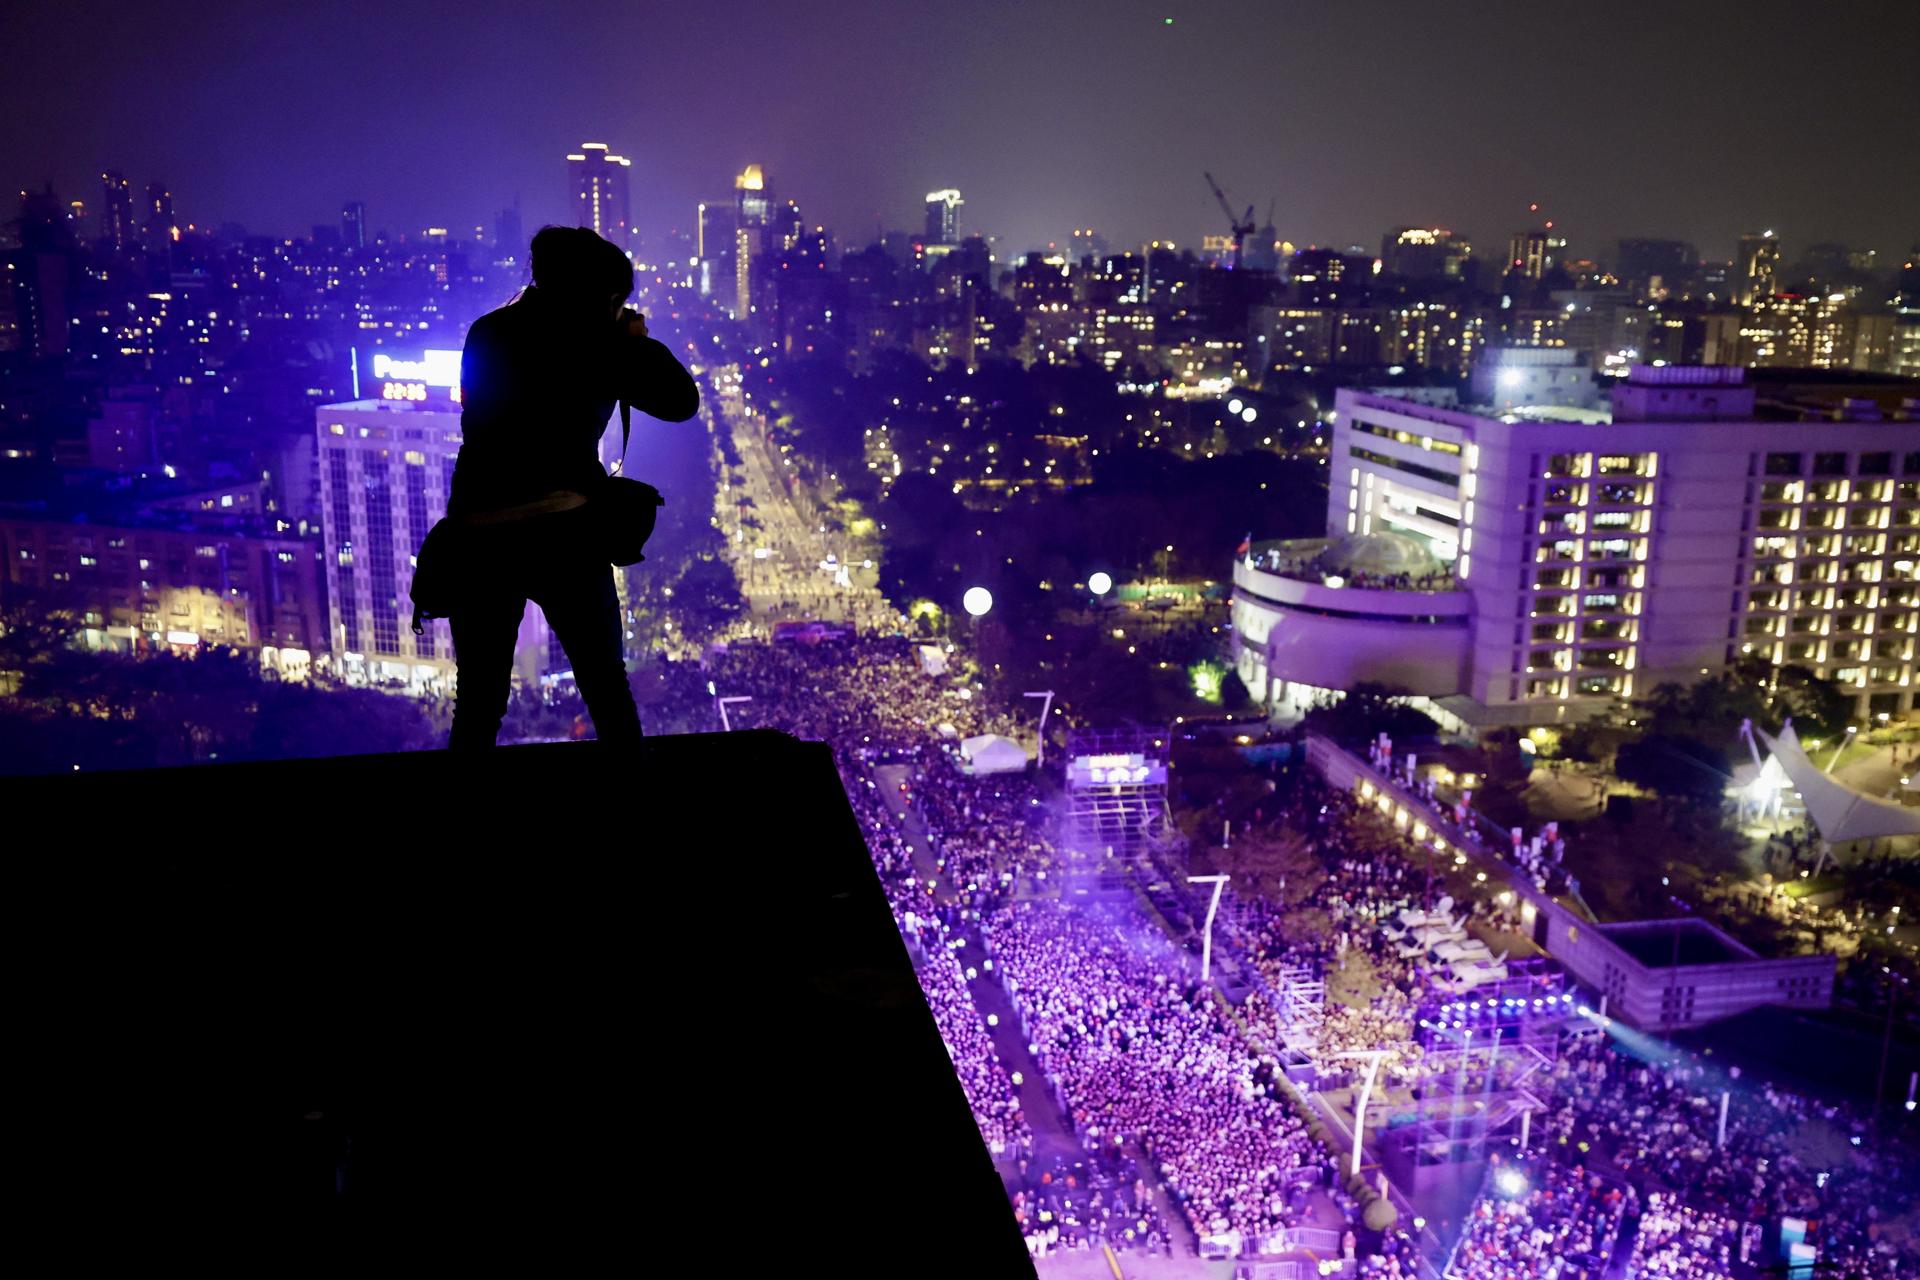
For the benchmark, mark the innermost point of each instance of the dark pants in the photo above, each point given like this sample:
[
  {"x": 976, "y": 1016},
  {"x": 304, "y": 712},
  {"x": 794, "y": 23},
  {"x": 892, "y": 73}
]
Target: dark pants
[{"x": 549, "y": 560}]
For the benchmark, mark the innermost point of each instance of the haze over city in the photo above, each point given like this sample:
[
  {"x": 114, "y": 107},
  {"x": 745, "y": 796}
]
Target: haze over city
[
  {"x": 1697, "y": 121},
  {"x": 1200, "y": 641}
]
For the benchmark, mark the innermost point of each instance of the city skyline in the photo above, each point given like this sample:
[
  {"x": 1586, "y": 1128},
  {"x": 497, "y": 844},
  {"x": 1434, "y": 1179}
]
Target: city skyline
[{"x": 1093, "y": 119}]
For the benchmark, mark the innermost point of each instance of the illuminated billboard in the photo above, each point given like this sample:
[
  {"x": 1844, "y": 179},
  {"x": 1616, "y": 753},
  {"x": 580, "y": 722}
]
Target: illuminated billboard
[{"x": 1116, "y": 769}]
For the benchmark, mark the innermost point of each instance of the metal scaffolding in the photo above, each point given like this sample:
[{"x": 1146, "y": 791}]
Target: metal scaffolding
[
  {"x": 1117, "y": 790},
  {"x": 1484, "y": 1058},
  {"x": 1300, "y": 996}
]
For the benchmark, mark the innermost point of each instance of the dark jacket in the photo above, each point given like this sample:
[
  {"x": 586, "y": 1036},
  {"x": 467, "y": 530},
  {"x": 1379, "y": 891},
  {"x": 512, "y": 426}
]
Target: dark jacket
[{"x": 537, "y": 387}]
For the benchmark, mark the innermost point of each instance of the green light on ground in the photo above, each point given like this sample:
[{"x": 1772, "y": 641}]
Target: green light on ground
[{"x": 1207, "y": 678}]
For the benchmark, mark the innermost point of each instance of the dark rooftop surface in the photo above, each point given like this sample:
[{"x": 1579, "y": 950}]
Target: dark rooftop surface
[
  {"x": 569, "y": 1006},
  {"x": 1652, "y": 943}
]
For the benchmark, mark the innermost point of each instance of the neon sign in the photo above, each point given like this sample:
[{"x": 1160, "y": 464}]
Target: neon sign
[{"x": 433, "y": 369}]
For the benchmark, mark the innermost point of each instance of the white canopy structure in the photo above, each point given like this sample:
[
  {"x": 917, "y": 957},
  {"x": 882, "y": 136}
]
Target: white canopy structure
[
  {"x": 991, "y": 753},
  {"x": 1839, "y": 812}
]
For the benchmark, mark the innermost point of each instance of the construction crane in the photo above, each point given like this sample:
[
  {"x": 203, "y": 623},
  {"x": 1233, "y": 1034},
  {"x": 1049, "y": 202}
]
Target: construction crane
[{"x": 1242, "y": 227}]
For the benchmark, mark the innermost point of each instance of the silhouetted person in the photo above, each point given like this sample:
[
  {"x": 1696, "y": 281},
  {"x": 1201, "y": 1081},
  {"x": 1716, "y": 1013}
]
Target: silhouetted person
[{"x": 540, "y": 377}]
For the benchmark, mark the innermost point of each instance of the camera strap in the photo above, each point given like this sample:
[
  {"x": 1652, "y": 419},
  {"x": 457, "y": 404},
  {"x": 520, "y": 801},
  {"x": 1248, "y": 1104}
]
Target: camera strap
[{"x": 626, "y": 432}]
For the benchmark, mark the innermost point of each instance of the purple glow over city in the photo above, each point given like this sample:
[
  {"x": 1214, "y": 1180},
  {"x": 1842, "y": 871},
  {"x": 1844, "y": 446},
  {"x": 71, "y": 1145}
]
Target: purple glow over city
[{"x": 1359, "y": 564}]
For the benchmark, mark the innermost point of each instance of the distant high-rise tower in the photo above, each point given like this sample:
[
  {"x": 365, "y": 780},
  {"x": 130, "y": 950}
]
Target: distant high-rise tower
[
  {"x": 714, "y": 235},
  {"x": 1756, "y": 267},
  {"x": 1533, "y": 253},
  {"x": 752, "y": 209},
  {"x": 42, "y": 275},
  {"x": 160, "y": 231},
  {"x": 598, "y": 187},
  {"x": 160, "y": 224},
  {"x": 506, "y": 232},
  {"x": 116, "y": 211},
  {"x": 943, "y": 216},
  {"x": 752, "y": 196},
  {"x": 353, "y": 224}
]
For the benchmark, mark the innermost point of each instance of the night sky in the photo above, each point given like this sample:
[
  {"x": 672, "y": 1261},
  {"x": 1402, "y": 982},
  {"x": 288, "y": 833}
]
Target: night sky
[{"x": 1682, "y": 118}]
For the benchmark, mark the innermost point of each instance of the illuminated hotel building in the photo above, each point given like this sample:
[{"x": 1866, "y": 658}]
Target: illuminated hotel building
[
  {"x": 598, "y": 183},
  {"x": 1532, "y": 565},
  {"x": 386, "y": 468}
]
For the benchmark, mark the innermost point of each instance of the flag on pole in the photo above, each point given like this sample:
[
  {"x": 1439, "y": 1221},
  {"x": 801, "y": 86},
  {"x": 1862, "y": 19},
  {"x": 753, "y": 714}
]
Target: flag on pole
[{"x": 1246, "y": 544}]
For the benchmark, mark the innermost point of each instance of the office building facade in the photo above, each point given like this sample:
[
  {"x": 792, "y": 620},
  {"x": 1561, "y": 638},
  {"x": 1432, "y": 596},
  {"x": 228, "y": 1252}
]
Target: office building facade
[
  {"x": 1533, "y": 566},
  {"x": 159, "y": 584},
  {"x": 385, "y": 470}
]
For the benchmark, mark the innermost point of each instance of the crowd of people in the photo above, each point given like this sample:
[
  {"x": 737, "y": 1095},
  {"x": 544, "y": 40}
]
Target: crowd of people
[
  {"x": 1146, "y": 1064},
  {"x": 989, "y": 1090},
  {"x": 1140, "y": 1054},
  {"x": 1095, "y": 1198},
  {"x": 1656, "y": 1120},
  {"x": 1678, "y": 1241},
  {"x": 1549, "y": 1221}
]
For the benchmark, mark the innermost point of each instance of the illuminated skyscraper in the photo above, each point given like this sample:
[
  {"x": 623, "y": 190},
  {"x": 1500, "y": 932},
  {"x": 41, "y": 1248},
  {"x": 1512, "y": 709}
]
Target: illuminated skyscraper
[
  {"x": 943, "y": 216},
  {"x": 116, "y": 211},
  {"x": 753, "y": 205},
  {"x": 598, "y": 182},
  {"x": 353, "y": 224},
  {"x": 1756, "y": 267},
  {"x": 714, "y": 245}
]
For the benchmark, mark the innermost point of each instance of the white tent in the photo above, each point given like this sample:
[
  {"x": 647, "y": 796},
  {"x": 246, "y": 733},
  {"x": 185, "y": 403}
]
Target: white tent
[
  {"x": 933, "y": 660},
  {"x": 1837, "y": 810},
  {"x": 991, "y": 753}
]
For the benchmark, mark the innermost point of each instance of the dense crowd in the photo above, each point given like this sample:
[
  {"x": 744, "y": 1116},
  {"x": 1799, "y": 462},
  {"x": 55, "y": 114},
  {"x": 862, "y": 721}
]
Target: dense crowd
[
  {"x": 996, "y": 1108},
  {"x": 1550, "y": 1222},
  {"x": 1099, "y": 1197},
  {"x": 1141, "y": 1054},
  {"x": 1675, "y": 1240},
  {"x": 1658, "y": 1122},
  {"x": 1145, "y": 1064}
]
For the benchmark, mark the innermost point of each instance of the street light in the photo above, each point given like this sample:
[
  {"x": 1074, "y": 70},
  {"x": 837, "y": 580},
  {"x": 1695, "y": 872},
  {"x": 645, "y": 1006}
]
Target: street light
[
  {"x": 1373, "y": 1057},
  {"x": 977, "y": 601},
  {"x": 1100, "y": 583},
  {"x": 1206, "y": 936},
  {"x": 726, "y": 725},
  {"x": 1046, "y": 706}
]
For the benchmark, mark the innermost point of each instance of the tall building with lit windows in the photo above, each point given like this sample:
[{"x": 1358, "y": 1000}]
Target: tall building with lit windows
[
  {"x": 752, "y": 212},
  {"x": 1756, "y": 267},
  {"x": 597, "y": 186},
  {"x": 1533, "y": 253},
  {"x": 1531, "y": 565},
  {"x": 943, "y": 216},
  {"x": 385, "y": 470},
  {"x": 116, "y": 211}
]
